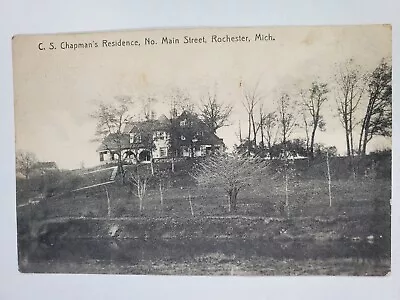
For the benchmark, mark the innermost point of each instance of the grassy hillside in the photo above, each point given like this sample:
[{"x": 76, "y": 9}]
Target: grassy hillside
[{"x": 102, "y": 229}]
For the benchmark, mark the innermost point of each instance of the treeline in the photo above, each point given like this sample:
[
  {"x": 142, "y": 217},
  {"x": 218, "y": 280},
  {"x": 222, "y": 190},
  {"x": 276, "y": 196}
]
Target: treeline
[{"x": 363, "y": 105}]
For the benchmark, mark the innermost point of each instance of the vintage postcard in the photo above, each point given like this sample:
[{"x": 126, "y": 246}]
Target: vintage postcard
[{"x": 205, "y": 151}]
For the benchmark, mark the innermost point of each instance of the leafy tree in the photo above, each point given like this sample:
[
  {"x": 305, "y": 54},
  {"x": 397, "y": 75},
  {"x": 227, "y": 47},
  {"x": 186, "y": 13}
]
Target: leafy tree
[
  {"x": 25, "y": 163},
  {"x": 378, "y": 115},
  {"x": 232, "y": 172}
]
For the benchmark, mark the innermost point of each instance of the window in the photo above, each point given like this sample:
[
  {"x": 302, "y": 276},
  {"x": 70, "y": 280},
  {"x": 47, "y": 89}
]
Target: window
[
  {"x": 163, "y": 152},
  {"x": 159, "y": 135},
  {"x": 131, "y": 138},
  {"x": 101, "y": 156},
  {"x": 182, "y": 123},
  {"x": 112, "y": 157}
]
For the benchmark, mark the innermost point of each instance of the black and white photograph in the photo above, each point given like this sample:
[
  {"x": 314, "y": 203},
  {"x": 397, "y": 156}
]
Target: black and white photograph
[{"x": 248, "y": 151}]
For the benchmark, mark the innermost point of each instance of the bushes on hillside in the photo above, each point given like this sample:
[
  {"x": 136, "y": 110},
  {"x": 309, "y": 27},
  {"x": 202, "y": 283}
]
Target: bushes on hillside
[
  {"x": 51, "y": 183},
  {"x": 60, "y": 182},
  {"x": 373, "y": 166}
]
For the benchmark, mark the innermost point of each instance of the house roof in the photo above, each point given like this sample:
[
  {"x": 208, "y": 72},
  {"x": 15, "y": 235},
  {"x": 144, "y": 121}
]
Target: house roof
[
  {"x": 162, "y": 123},
  {"x": 114, "y": 141},
  {"x": 207, "y": 137}
]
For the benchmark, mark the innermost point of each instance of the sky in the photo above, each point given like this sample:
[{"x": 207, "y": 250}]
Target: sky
[{"x": 56, "y": 90}]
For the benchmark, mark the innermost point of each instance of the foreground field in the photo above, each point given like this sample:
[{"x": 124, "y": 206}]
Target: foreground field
[
  {"x": 220, "y": 267},
  {"x": 186, "y": 229},
  {"x": 306, "y": 198}
]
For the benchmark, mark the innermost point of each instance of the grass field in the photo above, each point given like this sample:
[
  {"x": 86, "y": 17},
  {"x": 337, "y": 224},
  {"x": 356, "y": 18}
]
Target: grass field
[
  {"x": 306, "y": 198},
  {"x": 102, "y": 230}
]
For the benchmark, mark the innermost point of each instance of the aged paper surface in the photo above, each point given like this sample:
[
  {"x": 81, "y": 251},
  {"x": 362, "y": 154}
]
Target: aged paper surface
[{"x": 215, "y": 151}]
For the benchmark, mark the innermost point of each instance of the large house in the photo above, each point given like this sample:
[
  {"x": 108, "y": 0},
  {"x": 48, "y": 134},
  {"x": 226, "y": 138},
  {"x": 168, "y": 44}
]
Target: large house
[{"x": 162, "y": 138}]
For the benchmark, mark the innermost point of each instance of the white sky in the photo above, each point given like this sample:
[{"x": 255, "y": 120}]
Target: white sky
[{"x": 55, "y": 90}]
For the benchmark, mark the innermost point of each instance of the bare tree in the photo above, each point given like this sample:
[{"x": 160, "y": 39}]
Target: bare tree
[
  {"x": 269, "y": 130},
  {"x": 111, "y": 119},
  {"x": 378, "y": 115},
  {"x": 180, "y": 101},
  {"x": 350, "y": 84},
  {"x": 307, "y": 128},
  {"x": 232, "y": 173},
  {"x": 213, "y": 113},
  {"x": 148, "y": 103},
  {"x": 140, "y": 182},
  {"x": 287, "y": 117},
  {"x": 313, "y": 99},
  {"x": 260, "y": 126},
  {"x": 25, "y": 163},
  {"x": 251, "y": 98},
  {"x": 239, "y": 135}
]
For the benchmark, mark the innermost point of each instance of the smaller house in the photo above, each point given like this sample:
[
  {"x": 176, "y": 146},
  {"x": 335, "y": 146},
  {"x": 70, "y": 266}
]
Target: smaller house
[
  {"x": 195, "y": 138},
  {"x": 46, "y": 165}
]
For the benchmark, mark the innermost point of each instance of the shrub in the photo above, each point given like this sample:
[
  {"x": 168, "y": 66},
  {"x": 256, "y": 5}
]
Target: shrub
[{"x": 59, "y": 182}]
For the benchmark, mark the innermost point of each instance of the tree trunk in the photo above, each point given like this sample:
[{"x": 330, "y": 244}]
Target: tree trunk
[
  {"x": 365, "y": 137},
  {"x": 249, "y": 135},
  {"x": 108, "y": 203},
  {"x": 347, "y": 140},
  {"x": 120, "y": 166},
  {"x": 269, "y": 149},
  {"x": 140, "y": 196},
  {"x": 254, "y": 131},
  {"x": 191, "y": 205},
  {"x": 286, "y": 186},
  {"x": 351, "y": 142},
  {"x": 307, "y": 136},
  {"x": 345, "y": 117},
  {"x": 152, "y": 166},
  {"x": 313, "y": 140},
  {"x": 233, "y": 199},
  {"x": 161, "y": 196},
  {"x": 360, "y": 140},
  {"x": 173, "y": 165},
  {"x": 240, "y": 134},
  {"x": 262, "y": 131},
  {"x": 286, "y": 181},
  {"x": 365, "y": 142},
  {"x": 329, "y": 179}
]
